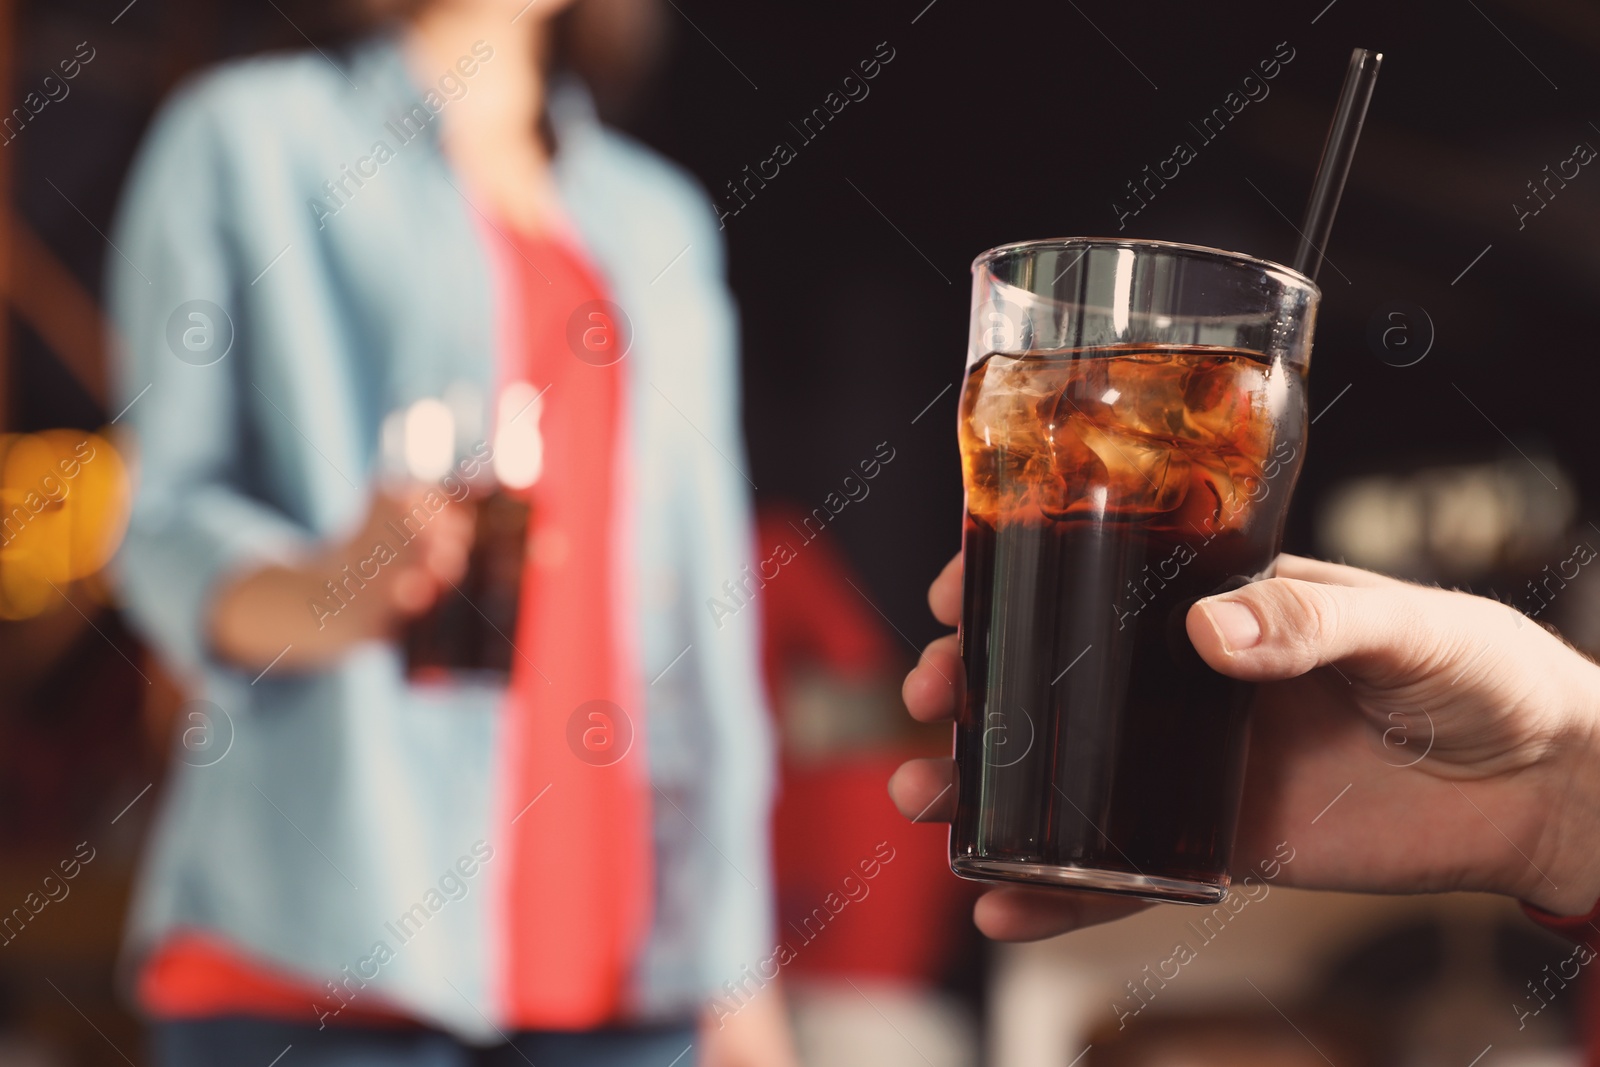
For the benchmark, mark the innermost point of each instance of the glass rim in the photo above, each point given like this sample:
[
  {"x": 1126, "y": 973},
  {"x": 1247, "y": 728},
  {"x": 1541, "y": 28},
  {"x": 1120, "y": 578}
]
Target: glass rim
[{"x": 1289, "y": 274}]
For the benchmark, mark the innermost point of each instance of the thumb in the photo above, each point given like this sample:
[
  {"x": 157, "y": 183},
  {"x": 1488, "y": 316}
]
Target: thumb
[{"x": 1283, "y": 627}]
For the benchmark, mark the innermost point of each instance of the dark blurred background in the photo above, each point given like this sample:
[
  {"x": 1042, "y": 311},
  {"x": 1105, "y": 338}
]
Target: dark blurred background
[{"x": 1451, "y": 385}]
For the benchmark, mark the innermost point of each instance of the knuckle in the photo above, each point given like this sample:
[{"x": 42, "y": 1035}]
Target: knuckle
[
  {"x": 1427, "y": 639},
  {"x": 1307, "y": 617},
  {"x": 1411, "y": 620}
]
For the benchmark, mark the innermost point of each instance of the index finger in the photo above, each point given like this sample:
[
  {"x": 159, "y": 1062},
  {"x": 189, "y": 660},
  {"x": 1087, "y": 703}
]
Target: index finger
[{"x": 1325, "y": 573}]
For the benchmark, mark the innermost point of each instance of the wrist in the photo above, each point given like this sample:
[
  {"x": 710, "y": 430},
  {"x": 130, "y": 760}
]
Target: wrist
[
  {"x": 247, "y": 616},
  {"x": 269, "y": 617},
  {"x": 1562, "y": 875}
]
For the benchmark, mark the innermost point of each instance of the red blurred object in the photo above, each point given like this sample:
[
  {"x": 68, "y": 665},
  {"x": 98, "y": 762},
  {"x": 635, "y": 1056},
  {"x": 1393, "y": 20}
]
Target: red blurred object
[
  {"x": 831, "y": 820},
  {"x": 1582, "y": 930},
  {"x": 810, "y": 614},
  {"x": 861, "y": 891}
]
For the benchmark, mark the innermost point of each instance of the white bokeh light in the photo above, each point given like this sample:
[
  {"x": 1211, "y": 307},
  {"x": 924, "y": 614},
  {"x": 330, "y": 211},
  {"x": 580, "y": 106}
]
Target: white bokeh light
[
  {"x": 430, "y": 440},
  {"x": 518, "y": 441}
]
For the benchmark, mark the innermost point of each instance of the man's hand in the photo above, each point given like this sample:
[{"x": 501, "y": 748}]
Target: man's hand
[{"x": 1441, "y": 741}]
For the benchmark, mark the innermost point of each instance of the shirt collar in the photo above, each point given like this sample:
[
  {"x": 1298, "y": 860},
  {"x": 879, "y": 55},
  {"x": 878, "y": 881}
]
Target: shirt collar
[{"x": 378, "y": 63}]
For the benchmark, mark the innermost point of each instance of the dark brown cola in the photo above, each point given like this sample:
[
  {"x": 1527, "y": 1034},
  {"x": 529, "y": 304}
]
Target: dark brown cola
[
  {"x": 467, "y": 635},
  {"x": 1107, "y": 491}
]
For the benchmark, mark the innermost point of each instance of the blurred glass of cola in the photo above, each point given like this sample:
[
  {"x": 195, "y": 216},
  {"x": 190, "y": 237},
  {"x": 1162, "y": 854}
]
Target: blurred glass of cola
[{"x": 440, "y": 453}]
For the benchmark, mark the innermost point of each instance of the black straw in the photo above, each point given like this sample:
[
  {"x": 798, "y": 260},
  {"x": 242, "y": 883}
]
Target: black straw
[{"x": 1338, "y": 152}]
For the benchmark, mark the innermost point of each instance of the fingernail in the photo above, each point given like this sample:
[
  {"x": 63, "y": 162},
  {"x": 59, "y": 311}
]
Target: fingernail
[{"x": 1236, "y": 624}]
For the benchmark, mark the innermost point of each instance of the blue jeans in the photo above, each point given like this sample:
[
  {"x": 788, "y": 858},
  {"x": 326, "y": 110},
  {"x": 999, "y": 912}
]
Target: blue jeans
[{"x": 241, "y": 1040}]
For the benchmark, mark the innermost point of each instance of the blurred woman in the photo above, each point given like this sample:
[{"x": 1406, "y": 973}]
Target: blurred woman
[{"x": 345, "y": 862}]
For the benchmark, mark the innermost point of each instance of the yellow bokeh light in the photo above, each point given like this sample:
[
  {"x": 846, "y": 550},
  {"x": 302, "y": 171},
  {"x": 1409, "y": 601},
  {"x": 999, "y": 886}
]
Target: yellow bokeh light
[{"x": 64, "y": 498}]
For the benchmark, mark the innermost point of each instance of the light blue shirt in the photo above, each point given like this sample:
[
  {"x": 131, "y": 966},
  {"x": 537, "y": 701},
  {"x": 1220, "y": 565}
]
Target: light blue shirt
[{"x": 326, "y": 806}]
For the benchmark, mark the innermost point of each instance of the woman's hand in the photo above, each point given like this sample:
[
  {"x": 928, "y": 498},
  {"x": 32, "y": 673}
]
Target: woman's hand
[
  {"x": 255, "y": 616},
  {"x": 1404, "y": 739},
  {"x": 756, "y": 1034}
]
